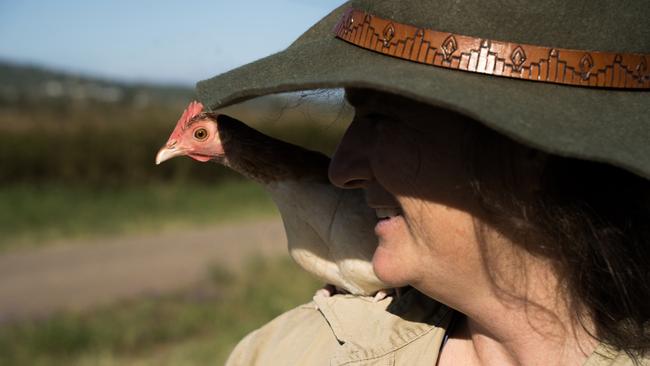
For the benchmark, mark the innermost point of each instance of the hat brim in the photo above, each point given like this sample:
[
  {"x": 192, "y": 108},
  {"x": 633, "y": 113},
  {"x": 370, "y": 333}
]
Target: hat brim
[{"x": 610, "y": 126}]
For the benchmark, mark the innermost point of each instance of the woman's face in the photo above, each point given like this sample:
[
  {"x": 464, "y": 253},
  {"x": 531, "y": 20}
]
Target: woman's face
[{"x": 408, "y": 159}]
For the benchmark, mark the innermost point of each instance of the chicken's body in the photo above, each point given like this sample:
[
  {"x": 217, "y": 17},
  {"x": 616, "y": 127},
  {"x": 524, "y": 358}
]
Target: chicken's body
[{"x": 329, "y": 230}]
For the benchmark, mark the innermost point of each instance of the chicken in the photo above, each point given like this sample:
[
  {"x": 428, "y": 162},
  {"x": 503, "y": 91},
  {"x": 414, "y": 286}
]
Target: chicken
[{"x": 329, "y": 230}]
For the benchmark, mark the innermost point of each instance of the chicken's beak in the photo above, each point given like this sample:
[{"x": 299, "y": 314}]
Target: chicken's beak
[{"x": 168, "y": 152}]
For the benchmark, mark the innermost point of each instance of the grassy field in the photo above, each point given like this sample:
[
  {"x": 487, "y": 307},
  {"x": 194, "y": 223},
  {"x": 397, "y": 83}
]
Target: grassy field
[
  {"x": 35, "y": 215},
  {"x": 100, "y": 145},
  {"x": 194, "y": 327},
  {"x": 69, "y": 170},
  {"x": 79, "y": 170}
]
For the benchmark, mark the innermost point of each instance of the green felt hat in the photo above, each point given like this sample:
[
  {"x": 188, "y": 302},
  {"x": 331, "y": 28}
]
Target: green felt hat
[{"x": 601, "y": 124}]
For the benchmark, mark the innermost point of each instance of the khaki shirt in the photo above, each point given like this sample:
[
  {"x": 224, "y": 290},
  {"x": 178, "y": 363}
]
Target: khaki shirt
[{"x": 351, "y": 330}]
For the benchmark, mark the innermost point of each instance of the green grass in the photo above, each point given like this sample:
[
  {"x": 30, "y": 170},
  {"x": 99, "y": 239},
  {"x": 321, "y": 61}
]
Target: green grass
[
  {"x": 194, "y": 327},
  {"x": 32, "y": 215}
]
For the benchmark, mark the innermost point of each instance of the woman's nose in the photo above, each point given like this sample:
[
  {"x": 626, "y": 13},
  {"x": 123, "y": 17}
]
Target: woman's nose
[{"x": 350, "y": 167}]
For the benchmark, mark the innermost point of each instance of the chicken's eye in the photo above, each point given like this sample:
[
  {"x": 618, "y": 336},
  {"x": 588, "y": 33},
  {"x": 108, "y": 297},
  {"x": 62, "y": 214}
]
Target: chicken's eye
[{"x": 201, "y": 134}]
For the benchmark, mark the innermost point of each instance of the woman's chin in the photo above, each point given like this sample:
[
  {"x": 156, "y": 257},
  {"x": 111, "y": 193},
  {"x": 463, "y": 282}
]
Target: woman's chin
[{"x": 387, "y": 267}]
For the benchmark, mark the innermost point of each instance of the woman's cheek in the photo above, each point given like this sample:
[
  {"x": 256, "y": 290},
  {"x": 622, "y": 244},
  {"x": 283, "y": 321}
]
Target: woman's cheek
[{"x": 396, "y": 160}]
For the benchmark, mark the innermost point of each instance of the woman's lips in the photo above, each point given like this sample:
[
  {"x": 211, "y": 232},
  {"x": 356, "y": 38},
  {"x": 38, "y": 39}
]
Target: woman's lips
[
  {"x": 388, "y": 220},
  {"x": 387, "y": 212}
]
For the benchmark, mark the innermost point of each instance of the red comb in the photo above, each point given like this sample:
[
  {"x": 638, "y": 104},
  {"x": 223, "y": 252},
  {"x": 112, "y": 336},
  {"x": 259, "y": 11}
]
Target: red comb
[{"x": 190, "y": 112}]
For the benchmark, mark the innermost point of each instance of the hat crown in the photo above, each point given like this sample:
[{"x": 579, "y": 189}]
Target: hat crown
[
  {"x": 598, "y": 124},
  {"x": 597, "y": 25}
]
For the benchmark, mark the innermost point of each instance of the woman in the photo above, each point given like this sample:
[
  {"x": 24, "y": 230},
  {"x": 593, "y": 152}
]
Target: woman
[
  {"x": 512, "y": 238},
  {"x": 520, "y": 204}
]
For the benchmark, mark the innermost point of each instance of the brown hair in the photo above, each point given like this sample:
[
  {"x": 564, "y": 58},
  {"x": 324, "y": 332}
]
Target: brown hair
[{"x": 591, "y": 219}]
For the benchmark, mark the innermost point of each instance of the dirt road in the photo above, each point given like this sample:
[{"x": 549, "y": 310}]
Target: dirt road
[{"x": 75, "y": 276}]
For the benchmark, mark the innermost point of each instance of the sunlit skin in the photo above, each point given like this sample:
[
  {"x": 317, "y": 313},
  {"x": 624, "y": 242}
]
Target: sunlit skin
[{"x": 410, "y": 157}]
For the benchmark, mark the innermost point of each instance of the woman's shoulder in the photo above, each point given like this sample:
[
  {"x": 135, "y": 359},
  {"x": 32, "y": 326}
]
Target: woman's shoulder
[
  {"x": 300, "y": 329},
  {"x": 343, "y": 328}
]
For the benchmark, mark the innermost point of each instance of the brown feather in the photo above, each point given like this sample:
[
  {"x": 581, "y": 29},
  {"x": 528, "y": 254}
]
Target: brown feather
[{"x": 266, "y": 159}]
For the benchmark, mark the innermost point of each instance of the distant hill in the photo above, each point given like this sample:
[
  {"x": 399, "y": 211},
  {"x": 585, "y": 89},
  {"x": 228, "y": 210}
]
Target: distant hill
[
  {"x": 27, "y": 86},
  {"x": 32, "y": 84}
]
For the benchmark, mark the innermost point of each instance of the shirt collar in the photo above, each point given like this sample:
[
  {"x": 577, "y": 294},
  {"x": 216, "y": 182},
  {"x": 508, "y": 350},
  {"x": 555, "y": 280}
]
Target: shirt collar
[{"x": 370, "y": 329}]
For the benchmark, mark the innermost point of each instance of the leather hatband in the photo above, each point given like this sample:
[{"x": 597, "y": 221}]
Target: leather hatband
[{"x": 486, "y": 56}]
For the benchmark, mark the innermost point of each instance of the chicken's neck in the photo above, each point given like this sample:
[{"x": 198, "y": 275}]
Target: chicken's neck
[{"x": 266, "y": 159}]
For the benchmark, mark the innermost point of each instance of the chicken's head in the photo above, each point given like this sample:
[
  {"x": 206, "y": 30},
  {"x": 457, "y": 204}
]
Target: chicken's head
[{"x": 196, "y": 135}]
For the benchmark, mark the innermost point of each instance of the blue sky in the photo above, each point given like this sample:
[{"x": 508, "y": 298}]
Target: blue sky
[{"x": 155, "y": 41}]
